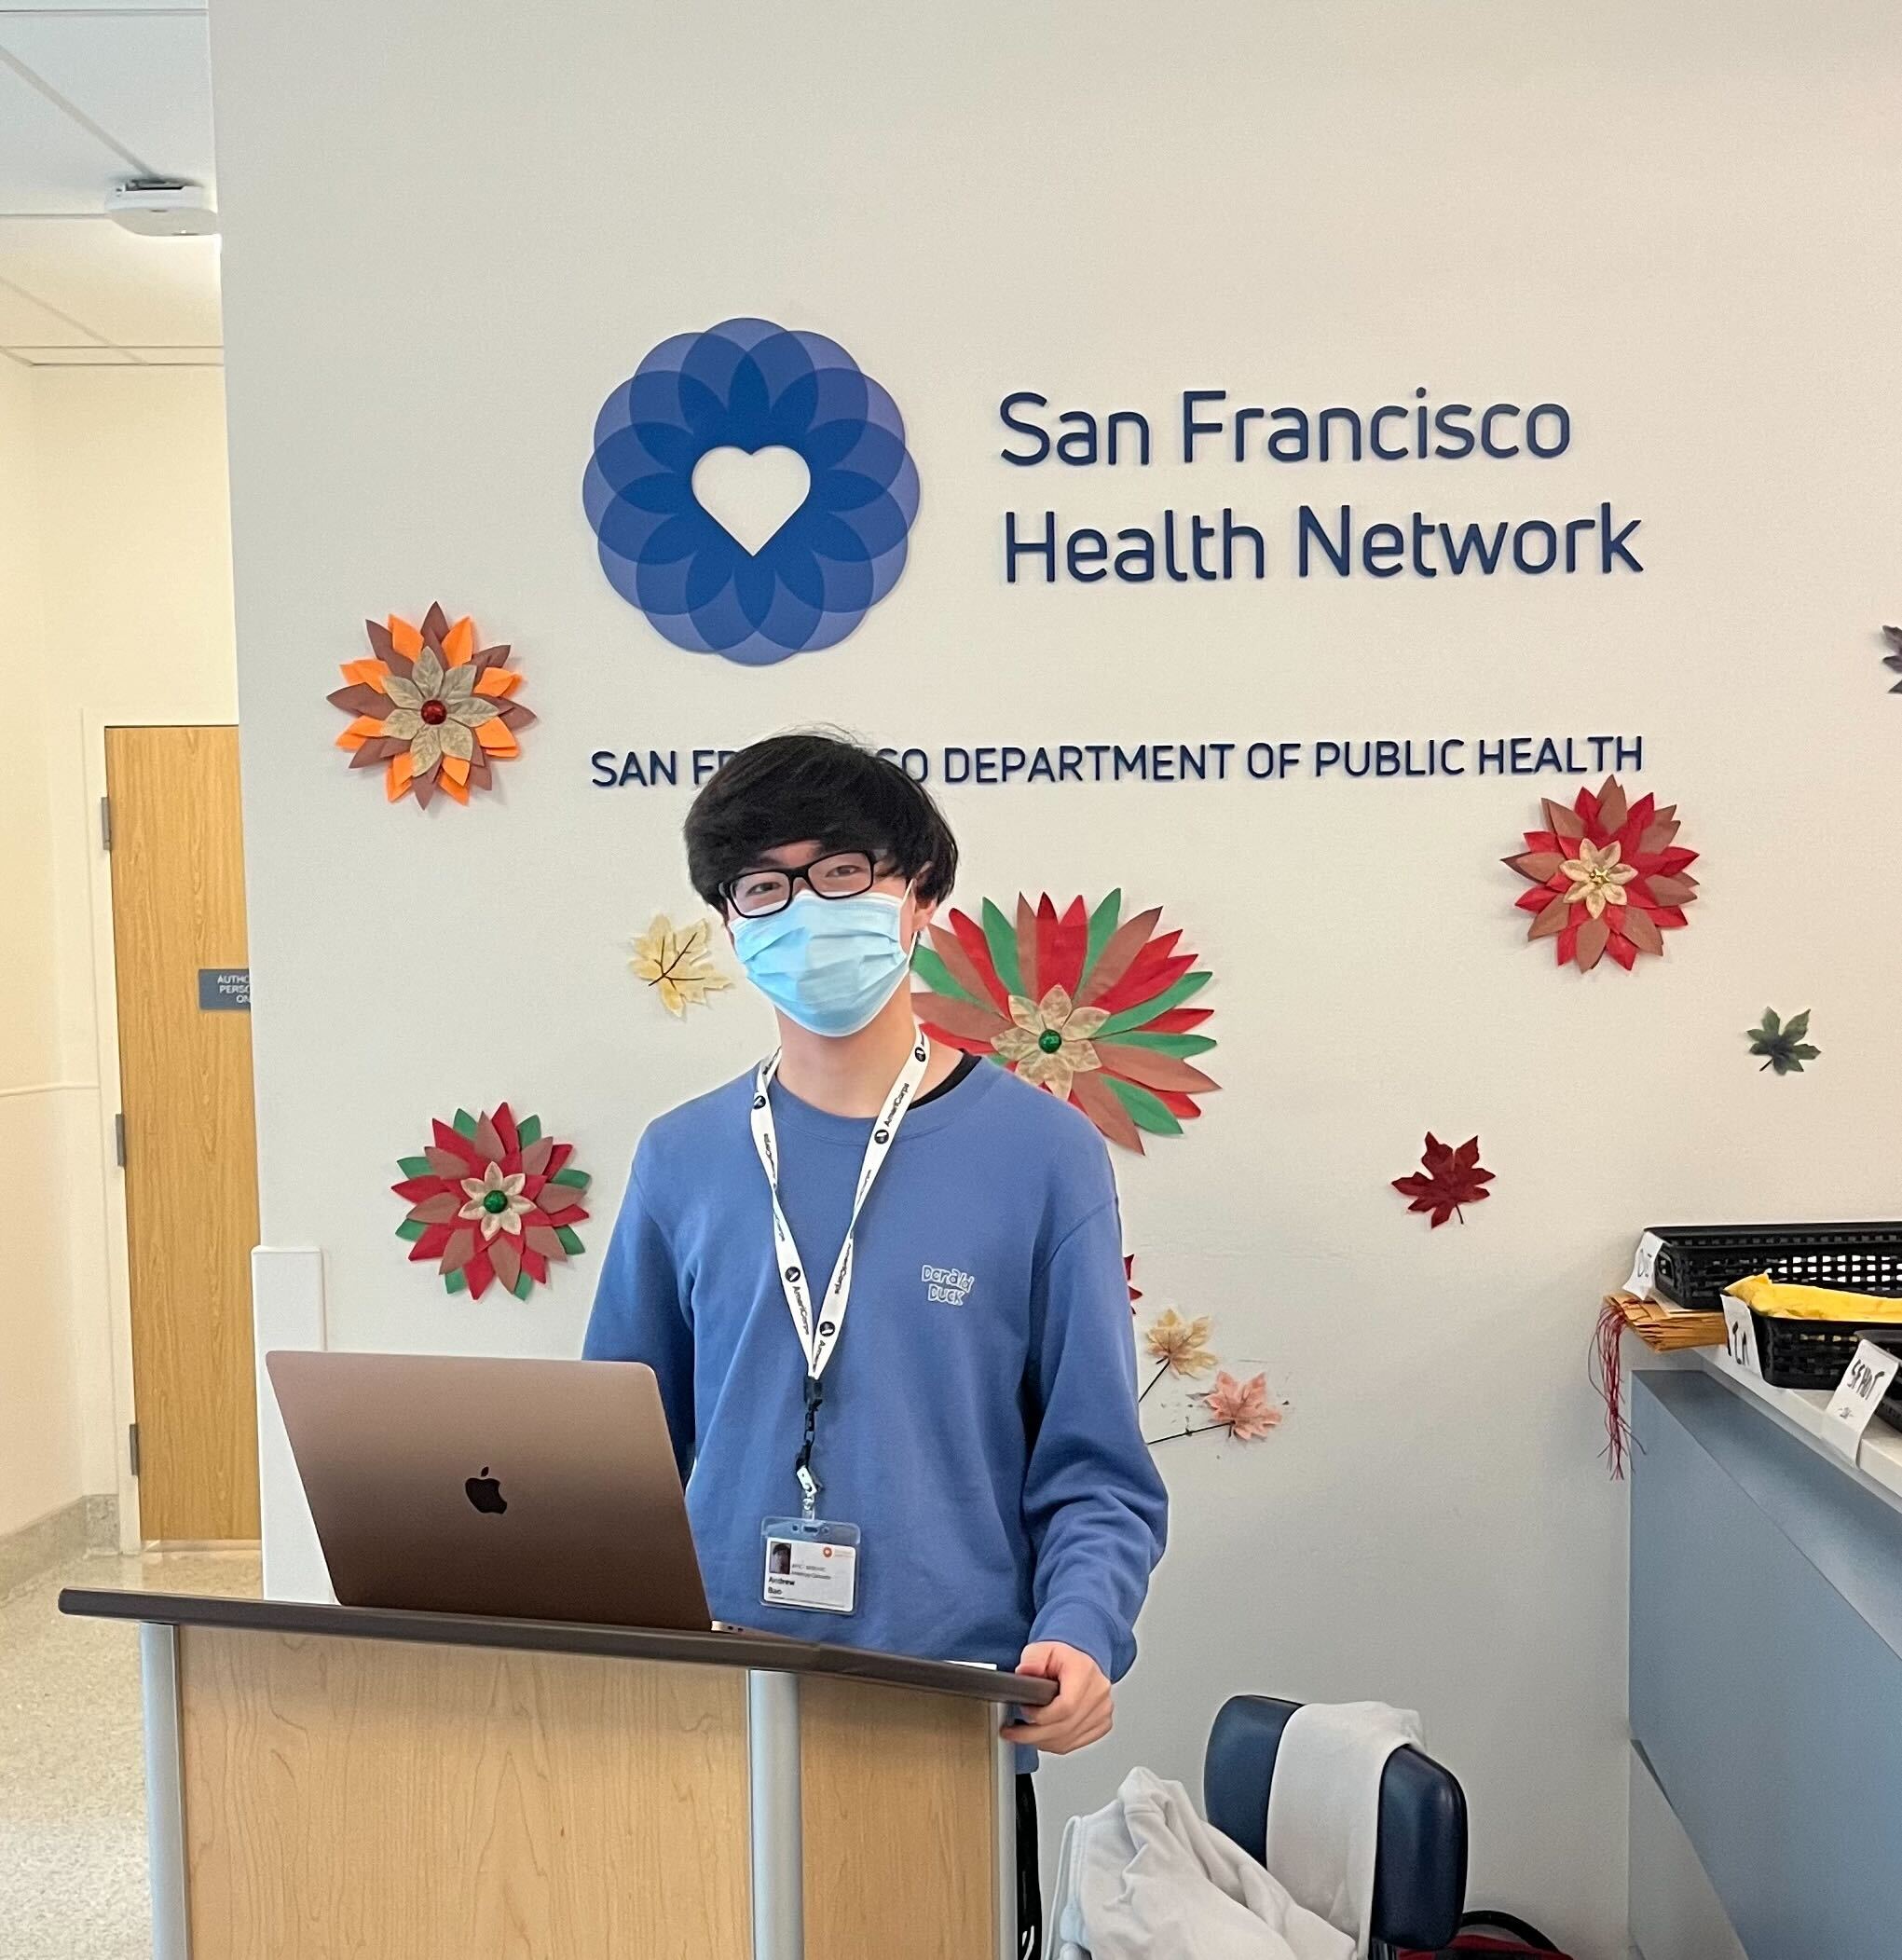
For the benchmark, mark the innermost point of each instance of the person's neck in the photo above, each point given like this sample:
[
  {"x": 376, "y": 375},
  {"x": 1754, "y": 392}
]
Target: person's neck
[{"x": 849, "y": 1074}]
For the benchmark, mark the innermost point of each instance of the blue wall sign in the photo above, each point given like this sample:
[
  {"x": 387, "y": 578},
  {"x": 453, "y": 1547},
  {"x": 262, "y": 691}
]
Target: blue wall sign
[{"x": 224, "y": 989}]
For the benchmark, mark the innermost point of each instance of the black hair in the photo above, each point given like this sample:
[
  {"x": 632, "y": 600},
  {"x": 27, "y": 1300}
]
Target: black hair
[{"x": 822, "y": 785}]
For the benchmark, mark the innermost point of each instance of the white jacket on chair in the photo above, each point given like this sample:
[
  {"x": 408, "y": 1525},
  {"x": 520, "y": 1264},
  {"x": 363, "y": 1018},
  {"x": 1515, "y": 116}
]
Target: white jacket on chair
[{"x": 1144, "y": 1878}]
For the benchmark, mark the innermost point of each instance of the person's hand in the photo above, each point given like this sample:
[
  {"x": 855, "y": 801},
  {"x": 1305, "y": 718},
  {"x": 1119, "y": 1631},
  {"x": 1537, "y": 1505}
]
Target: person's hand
[{"x": 1081, "y": 1713}]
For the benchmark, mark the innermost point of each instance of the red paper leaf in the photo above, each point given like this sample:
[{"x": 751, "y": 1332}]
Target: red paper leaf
[
  {"x": 1178, "y": 1020},
  {"x": 1449, "y": 1178},
  {"x": 1072, "y": 943},
  {"x": 971, "y": 938},
  {"x": 1048, "y": 974},
  {"x": 1027, "y": 963}
]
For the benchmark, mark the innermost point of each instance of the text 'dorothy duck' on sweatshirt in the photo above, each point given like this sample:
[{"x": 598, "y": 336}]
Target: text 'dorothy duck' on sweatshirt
[{"x": 980, "y": 1422}]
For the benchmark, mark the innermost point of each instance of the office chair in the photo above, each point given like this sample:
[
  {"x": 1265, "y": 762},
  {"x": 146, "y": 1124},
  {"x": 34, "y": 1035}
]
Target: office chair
[{"x": 1419, "y": 1865}]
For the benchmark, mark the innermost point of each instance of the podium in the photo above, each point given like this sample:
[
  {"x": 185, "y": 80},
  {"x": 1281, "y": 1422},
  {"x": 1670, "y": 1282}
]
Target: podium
[{"x": 331, "y": 1781}]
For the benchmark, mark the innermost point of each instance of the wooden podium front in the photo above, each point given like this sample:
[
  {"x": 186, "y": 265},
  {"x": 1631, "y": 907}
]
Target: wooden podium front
[{"x": 329, "y": 1781}]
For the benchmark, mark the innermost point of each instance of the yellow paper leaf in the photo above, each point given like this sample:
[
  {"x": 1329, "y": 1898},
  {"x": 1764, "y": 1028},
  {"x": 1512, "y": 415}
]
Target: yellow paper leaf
[{"x": 675, "y": 961}]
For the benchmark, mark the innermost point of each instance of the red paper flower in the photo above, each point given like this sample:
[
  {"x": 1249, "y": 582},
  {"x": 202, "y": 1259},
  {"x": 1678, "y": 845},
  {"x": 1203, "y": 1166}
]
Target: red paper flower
[
  {"x": 1083, "y": 1003},
  {"x": 492, "y": 1198},
  {"x": 1606, "y": 876}
]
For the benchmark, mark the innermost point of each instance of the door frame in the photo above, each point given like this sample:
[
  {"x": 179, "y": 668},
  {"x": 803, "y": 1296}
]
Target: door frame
[{"x": 118, "y": 1282}]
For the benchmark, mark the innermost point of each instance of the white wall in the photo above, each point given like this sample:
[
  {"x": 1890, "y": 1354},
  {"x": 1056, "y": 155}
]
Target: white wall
[
  {"x": 116, "y": 608},
  {"x": 39, "y": 1415},
  {"x": 1675, "y": 221}
]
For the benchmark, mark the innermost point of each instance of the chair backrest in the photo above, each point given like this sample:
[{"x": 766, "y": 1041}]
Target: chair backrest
[{"x": 1419, "y": 1867}]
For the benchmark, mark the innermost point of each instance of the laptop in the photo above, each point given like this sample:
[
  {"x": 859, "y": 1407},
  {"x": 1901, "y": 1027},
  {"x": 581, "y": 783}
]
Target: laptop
[{"x": 514, "y": 1489}]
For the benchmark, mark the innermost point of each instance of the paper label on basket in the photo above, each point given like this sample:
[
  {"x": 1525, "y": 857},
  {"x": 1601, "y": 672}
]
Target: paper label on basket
[
  {"x": 1864, "y": 1384},
  {"x": 1740, "y": 1336},
  {"x": 1645, "y": 1265}
]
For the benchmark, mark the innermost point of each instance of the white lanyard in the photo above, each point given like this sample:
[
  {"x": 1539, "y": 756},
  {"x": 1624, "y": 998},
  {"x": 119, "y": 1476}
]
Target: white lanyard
[{"x": 819, "y": 1337}]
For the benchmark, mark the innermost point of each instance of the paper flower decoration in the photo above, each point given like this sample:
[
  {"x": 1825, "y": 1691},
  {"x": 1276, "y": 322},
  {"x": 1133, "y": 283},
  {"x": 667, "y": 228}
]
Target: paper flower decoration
[
  {"x": 1449, "y": 1179},
  {"x": 1606, "y": 876},
  {"x": 492, "y": 1198},
  {"x": 1180, "y": 1346},
  {"x": 1129, "y": 1279},
  {"x": 431, "y": 707},
  {"x": 1892, "y": 659},
  {"x": 1084, "y": 1004},
  {"x": 673, "y": 960},
  {"x": 1784, "y": 1045},
  {"x": 1242, "y": 1408}
]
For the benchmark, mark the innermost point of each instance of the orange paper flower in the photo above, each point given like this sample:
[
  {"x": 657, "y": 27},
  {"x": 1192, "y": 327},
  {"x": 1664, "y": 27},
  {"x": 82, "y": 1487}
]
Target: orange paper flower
[{"x": 432, "y": 706}]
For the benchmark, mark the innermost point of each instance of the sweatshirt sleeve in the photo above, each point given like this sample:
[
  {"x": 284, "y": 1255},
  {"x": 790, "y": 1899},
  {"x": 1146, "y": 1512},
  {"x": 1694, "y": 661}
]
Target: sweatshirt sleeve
[
  {"x": 640, "y": 1313},
  {"x": 1094, "y": 1504}
]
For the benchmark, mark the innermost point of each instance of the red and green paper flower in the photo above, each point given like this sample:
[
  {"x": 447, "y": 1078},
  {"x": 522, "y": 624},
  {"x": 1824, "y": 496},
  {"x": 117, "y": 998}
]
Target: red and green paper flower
[
  {"x": 492, "y": 1198},
  {"x": 1085, "y": 1004},
  {"x": 1607, "y": 877}
]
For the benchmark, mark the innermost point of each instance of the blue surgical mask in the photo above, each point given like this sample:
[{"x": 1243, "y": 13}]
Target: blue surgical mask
[{"x": 828, "y": 964}]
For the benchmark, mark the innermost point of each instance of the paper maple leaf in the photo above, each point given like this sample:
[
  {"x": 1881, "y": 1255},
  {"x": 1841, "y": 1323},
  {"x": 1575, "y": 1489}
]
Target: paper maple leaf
[
  {"x": 1892, "y": 659},
  {"x": 1784, "y": 1045},
  {"x": 673, "y": 960},
  {"x": 1451, "y": 1178}
]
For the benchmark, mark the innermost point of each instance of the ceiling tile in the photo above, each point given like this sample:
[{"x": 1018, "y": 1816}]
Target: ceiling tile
[
  {"x": 133, "y": 291},
  {"x": 24, "y": 322},
  {"x": 144, "y": 79},
  {"x": 47, "y": 162},
  {"x": 72, "y": 356}
]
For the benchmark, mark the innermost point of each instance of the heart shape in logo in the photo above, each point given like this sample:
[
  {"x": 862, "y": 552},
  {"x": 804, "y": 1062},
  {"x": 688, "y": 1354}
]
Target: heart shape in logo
[{"x": 750, "y": 495}]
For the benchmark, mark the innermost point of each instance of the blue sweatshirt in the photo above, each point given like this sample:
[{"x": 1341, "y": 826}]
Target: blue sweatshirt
[{"x": 980, "y": 1420}]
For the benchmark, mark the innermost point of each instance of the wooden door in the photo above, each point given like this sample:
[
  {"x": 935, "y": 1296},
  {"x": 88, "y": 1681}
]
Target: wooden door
[{"x": 190, "y": 1134}]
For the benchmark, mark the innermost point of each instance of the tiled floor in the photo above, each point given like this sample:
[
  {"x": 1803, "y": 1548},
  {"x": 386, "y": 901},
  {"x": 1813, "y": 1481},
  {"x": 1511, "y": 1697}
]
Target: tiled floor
[{"x": 72, "y": 1795}]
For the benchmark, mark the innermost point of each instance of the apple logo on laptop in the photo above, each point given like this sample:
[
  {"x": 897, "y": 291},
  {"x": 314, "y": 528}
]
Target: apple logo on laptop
[{"x": 485, "y": 1493}]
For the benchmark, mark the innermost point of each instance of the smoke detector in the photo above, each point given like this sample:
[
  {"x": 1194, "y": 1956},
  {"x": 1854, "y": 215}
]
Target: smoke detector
[{"x": 162, "y": 208}]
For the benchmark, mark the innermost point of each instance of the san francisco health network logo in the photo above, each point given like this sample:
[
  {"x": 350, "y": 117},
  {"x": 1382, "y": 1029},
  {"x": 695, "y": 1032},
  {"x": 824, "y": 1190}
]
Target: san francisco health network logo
[{"x": 747, "y": 389}]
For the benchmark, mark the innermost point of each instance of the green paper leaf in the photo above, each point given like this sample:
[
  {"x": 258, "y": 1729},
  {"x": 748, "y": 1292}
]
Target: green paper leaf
[
  {"x": 1104, "y": 922},
  {"x": 415, "y": 1167},
  {"x": 411, "y": 1230},
  {"x": 524, "y": 1285},
  {"x": 455, "y": 1282},
  {"x": 1180, "y": 1046},
  {"x": 1000, "y": 936},
  {"x": 1783, "y": 1048},
  {"x": 465, "y": 1123},
  {"x": 570, "y": 1239},
  {"x": 575, "y": 1180},
  {"x": 936, "y": 975},
  {"x": 529, "y": 1130},
  {"x": 1145, "y": 1110},
  {"x": 1142, "y": 1015}
]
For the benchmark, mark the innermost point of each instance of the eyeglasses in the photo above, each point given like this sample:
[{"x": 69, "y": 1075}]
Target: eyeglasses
[{"x": 840, "y": 874}]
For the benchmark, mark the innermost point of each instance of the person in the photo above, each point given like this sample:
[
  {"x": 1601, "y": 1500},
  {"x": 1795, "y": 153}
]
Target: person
[{"x": 881, "y": 1283}]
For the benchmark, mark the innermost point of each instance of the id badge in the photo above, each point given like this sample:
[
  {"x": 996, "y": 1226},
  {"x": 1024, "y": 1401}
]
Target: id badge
[{"x": 811, "y": 1564}]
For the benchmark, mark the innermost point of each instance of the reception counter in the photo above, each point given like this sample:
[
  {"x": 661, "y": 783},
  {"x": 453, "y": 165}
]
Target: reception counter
[
  {"x": 328, "y": 1780},
  {"x": 1766, "y": 1673}
]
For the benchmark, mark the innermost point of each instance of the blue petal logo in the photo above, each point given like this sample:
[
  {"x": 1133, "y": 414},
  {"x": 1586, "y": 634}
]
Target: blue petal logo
[{"x": 749, "y": 385}]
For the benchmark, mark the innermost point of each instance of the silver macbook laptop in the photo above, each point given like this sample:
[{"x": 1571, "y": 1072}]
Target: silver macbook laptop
[{"x": 521, "y": 1489}]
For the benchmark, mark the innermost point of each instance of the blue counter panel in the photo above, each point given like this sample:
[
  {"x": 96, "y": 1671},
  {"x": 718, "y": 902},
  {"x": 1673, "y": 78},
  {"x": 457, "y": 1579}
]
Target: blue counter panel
[{"x": 1766, "y": 1669}]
